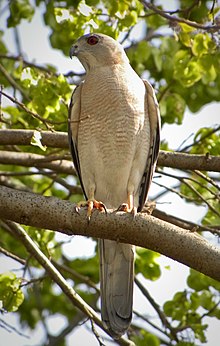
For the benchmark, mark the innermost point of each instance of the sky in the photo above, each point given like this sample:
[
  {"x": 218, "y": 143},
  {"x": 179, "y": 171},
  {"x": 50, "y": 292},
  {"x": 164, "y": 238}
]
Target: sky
[{"x": 37, "y": 49}]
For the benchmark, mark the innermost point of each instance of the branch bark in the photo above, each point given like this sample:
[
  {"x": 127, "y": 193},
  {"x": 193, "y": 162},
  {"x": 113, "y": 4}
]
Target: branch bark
[
  {"x": 60, "y": 140},
  {"x": 38, "y": 161},
  {"x": 144, "y": 230}
]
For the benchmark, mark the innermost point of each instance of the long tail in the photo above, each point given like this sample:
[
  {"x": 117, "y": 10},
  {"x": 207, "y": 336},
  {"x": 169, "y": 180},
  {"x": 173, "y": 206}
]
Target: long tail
[{"x": 117, "y": 278}]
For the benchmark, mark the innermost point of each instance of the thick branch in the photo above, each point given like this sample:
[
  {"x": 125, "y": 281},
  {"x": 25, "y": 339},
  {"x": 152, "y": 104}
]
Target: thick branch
[
  {"x": 189, "y": 161},
  {"x": 144, "y": 230},
  {"x": 60, "y": 140},
  {"x": 35, "y": 160},
  {"x": 24, "y": 137}
]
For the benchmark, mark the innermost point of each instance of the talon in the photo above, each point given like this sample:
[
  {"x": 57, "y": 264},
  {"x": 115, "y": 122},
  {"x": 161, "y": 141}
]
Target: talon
[
  {"x": 76, "y": 209},
  {"x": 125, "y": 207},
  {"x": 91, "y": 204},
  {"x": 100, "y": 206}
]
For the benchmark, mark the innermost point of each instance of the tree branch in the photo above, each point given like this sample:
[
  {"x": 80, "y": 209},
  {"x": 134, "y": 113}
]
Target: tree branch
[
  {"x": 60, "y": 140},
  {"x": 144, "y": 230},
  {"x": 34, "y": 160},
  {"x": 27, "y": 110},
  {"x": 171, "y": 18},
  {"x": 189, "y": 161},
  {"x": 13, "y": 83},
  {"x": 184, "y": 223},
  {"x": 24, "y": 137}
]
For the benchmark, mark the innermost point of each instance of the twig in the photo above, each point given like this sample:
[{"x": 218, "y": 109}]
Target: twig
[
  {"x": 209, "y": 133},
  {"x": 208, "y": 179},
  {"x": 33, "y": 281},
  {"x": 144, "y": 318},
  {"x": 39, "y": 67},
  {"x": 201, "y": 197},
  {"x": 12, "y": 82},
  {"x": 55, "y": 340},
  {"x": 171, "y": 18},
  {"x": 11, "y": 255},
  {"x": 173, "y": 190},
  {"x": 157, "y": 308},
  {"x": 184, "y": 223},
  {"x": 208, "y": 313},
  {"x": 98, "y": 337},
  {"x": 75, "y": 275},
  {"x": 191, "y": 187},
  {"x": 22, "y": 106},
  {"x": 10, "y": 328},
  {"x": 17, "y": 40}
]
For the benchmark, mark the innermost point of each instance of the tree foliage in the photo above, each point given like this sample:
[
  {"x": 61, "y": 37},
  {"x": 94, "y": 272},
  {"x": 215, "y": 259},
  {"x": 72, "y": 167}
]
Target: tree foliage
[{"x": 178, "y": 51}]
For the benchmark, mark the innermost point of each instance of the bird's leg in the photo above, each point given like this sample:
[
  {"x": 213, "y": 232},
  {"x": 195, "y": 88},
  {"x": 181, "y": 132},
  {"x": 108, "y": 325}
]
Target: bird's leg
[
  {"x": 129, "y": 206},
  {"x": 91, "y": 204}
]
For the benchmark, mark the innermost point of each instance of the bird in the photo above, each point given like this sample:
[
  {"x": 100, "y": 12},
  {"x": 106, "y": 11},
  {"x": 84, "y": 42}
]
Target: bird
[{"x": 114, "y": 138}]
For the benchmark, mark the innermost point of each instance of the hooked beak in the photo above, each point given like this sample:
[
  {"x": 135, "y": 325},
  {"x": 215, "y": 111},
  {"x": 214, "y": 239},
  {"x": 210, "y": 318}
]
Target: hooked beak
[{"x": 74, "y": 50}]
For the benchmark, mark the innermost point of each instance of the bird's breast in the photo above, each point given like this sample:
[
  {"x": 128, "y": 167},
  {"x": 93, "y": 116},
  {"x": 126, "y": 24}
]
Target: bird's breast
[{"x": 111, "y": 127}]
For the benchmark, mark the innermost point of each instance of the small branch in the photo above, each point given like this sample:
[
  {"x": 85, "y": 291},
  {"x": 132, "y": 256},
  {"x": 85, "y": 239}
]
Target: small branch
[
  {"x": 157, "y": 308},
  {"x": 166, "y": 158},
  {"x": 19, "y": 58},
  {"x": 173, "y": 190},
  {"x": 11, "y": 255},
  {"x": 22, "y": 106},
  {"x": 12, "y": 82},
  {"x": 98, "y": 337},
  {"x": 201, "y": 139},
  {"x": 145, "y": 319},
  {"x": 190, "y": 186},
  {"x": 208, "y": 179},
  {"x": 184, "y": 223},
  {"x": 76, "y": 300},
  {"x": 56, "y": 340},
  {"x": 144, "y": 230},
  {"x": 75, "y": 275},
  {"x": 10, "y": 328},
  {"x": 171, "y": 18}
]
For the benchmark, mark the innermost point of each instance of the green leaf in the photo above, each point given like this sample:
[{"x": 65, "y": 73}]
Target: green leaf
[
  {"x": 202, "y": 44},
  {"x": 186, "y": 28},
  {"x": 146, "y": 263},
  {"x": 11, "y": 295},
  {"x": 172, "y": 107},
  {"x": 199, "y": 281},
  {"x": 144, "y": 338},
  {"x": 19, "y": 9}
]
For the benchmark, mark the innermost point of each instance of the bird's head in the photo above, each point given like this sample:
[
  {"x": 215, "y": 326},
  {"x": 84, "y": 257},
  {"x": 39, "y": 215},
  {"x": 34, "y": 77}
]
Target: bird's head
[{"x": 96, "y": 50}]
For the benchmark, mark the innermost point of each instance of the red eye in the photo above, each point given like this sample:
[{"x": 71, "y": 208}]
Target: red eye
[{"x": 92, "y": 40}]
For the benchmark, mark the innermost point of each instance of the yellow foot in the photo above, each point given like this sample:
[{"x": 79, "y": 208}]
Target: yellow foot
[
  {"x": 125, "y": 207},
  {"x": 91, "y": 204}
]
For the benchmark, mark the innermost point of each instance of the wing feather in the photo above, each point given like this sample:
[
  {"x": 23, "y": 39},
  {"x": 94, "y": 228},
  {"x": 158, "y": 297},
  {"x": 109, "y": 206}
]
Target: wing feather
[
  {"x": 73, "y": 124},
  {"x": 152, "y": 110}
]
